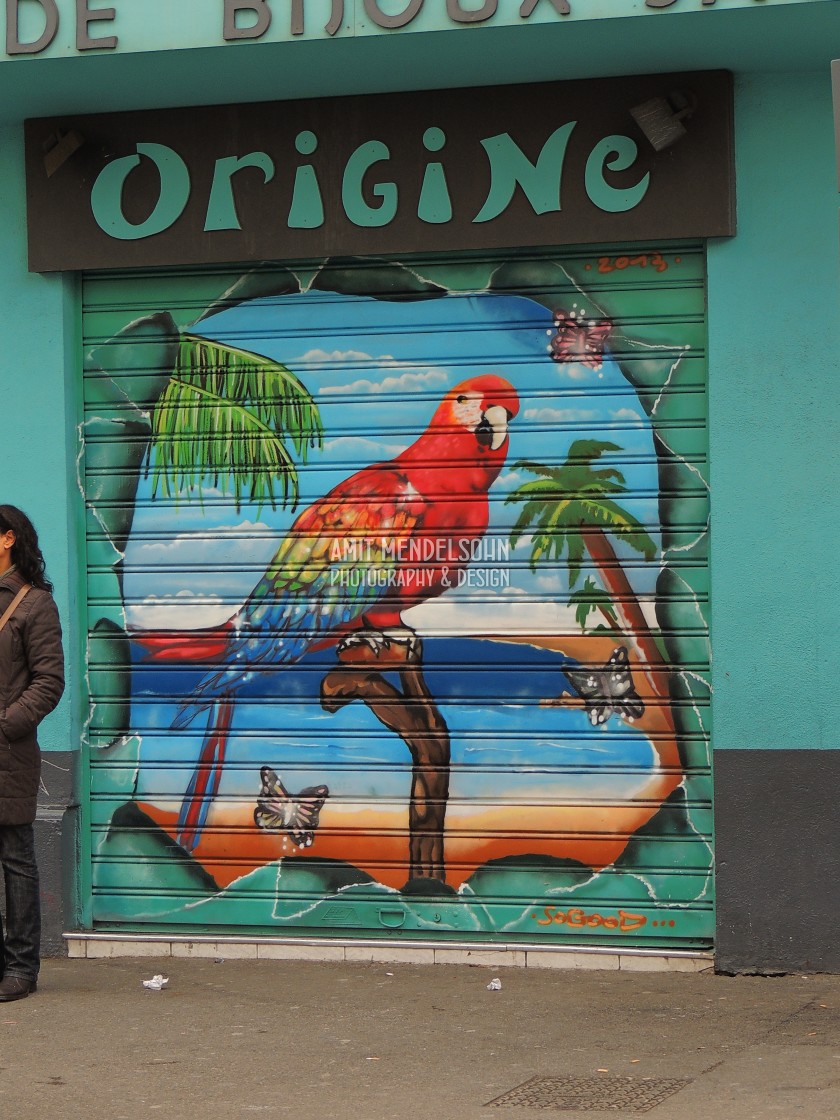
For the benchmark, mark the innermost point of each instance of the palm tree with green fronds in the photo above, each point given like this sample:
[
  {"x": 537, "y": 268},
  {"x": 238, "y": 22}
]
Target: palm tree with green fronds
[
  {"x": 232, "y": 418},
  {"x": 590, "y": 598},
  {"x": 571, "y": 510}
]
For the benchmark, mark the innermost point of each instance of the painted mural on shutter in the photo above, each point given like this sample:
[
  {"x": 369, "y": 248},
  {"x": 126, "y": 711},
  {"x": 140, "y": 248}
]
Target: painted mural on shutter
[{"x": 397, "y": 597}]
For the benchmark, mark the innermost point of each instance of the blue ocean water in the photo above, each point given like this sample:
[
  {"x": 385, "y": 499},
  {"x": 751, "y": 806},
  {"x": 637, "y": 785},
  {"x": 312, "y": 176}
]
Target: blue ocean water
[{"x": 489, "y": 693}]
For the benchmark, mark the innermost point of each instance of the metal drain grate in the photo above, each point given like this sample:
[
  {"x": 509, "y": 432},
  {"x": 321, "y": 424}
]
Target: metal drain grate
[{"x": 592, "y": 1094}]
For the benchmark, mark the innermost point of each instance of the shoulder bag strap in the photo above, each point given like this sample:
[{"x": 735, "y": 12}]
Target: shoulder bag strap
[{"x": 11, "y": 608}]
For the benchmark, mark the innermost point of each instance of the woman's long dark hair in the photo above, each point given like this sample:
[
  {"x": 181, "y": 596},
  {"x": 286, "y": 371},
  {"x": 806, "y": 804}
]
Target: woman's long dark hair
[{"x": 26, "y": 554}]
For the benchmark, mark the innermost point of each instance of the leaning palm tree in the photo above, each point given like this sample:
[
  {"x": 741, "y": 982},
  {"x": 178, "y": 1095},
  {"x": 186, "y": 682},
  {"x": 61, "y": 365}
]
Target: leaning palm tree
[
  {"x": 570, "y": 510},
  {"x": 228, "y": 416}
]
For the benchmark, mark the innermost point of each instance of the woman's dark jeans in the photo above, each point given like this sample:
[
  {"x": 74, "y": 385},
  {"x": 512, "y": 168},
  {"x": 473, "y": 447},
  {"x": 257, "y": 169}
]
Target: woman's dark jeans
[{"x": 23, "y": 904}]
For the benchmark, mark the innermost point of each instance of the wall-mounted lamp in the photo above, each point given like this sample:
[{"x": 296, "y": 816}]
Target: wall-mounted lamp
[
  {"x": 59, "y": 148},
  {"x": 660, "y": 119}
]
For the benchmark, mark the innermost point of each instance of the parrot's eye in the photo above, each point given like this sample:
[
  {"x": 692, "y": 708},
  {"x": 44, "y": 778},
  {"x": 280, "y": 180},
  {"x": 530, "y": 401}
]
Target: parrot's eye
[{"x": 460, "y": 399}]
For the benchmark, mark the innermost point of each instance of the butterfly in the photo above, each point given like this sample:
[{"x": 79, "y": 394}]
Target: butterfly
[
  {"x": 579, "y": 340},
  {"x": 607, "y": 691},
  {"x": 280, "y": 811}
]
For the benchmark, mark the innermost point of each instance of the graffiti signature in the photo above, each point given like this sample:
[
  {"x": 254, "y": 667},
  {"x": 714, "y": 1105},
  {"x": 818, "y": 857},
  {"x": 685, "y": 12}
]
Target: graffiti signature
[{"x": 576, "y": 918}]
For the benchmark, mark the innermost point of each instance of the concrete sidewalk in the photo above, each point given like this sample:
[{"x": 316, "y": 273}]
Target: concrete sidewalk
[{"x": 312, "y": 1040}]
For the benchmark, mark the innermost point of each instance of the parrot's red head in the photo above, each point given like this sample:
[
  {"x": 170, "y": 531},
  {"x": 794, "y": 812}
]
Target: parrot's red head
[
  {"x": 483, "y": 406},
  {"x": 468, "y": 434}
]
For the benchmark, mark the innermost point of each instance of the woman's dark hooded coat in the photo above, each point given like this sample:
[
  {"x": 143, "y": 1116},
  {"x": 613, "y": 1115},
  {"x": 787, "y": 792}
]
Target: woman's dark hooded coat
[{"x": 31, "y": 684}]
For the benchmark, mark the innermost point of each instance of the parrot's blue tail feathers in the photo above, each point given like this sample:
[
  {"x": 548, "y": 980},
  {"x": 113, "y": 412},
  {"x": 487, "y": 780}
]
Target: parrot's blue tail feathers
[
  {"x": 204, "y": 783},
  {"x": 187, "y": 713}
]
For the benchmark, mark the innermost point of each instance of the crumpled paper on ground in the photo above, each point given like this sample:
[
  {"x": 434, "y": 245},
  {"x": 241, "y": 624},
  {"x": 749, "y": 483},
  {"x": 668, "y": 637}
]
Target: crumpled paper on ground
[
  {"x": 494, "y": 985},
  {"x": 156, "y": 983}
]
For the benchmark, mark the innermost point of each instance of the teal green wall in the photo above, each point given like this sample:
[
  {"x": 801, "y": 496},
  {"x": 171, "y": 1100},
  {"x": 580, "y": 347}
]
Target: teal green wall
[
  {"x": 774, "y": 341},
  {"x": 688, "y": 36},
  {"x": 159, "y": 24},
  {"x": 774, "y": 323},
  {"x": 37, "y": 445}
]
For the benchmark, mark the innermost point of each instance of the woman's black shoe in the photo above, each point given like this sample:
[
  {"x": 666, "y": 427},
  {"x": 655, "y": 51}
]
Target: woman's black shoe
[{"x": 16, "y": 987}]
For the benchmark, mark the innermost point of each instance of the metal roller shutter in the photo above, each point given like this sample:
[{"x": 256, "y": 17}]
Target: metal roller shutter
[{"x": 282, "y": 467}]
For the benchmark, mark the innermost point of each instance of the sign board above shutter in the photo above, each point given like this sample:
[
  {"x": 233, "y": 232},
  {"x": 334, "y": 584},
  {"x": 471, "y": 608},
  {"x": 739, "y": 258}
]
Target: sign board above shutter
[{"x": 466, "y": 169}]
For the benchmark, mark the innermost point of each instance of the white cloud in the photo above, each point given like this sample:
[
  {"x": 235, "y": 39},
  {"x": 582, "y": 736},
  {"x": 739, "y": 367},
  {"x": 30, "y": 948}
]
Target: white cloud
[
  {"x": 496, "y": 614},
  {"x": 626, "y": 414},
  {"x": 356, "y": 447},
  {"x": 512, "y": 611},
  {"x": 552, "y": 583},
  {"x": 577, "y": 371},
  {"x": 559, "y": 415},
  {"x": 195, "y": 579},
  {"x": 406, "y": 381},
  {"x": 330, "y": 357},
  {"x": 524, "y": 543},
  {"x": 508, "y": 481},
  {"x": 247, "y": 534},
  {"x": 182, "y": 611}
]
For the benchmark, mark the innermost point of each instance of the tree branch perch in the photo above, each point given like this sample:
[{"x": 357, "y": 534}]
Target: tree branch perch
[{"x": 413, "y": 715}]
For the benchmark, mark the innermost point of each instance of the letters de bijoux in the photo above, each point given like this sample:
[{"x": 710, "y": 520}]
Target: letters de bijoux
[{"x": 252, "y": 20}]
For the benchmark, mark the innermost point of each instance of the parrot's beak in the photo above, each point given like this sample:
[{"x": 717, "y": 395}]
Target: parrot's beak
[{"x": 492, "y": 429}]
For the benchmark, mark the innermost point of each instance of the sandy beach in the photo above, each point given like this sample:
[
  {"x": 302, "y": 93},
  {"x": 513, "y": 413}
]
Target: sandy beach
[{"x": 374, "y": 837}]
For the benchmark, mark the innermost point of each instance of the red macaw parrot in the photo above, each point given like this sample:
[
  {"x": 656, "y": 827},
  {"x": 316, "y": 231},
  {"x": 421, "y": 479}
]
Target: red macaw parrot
[{"x": 350, "y": 565}]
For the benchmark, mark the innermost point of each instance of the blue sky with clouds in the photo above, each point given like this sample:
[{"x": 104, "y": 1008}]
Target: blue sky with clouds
[{"x": 377, "y": 370}]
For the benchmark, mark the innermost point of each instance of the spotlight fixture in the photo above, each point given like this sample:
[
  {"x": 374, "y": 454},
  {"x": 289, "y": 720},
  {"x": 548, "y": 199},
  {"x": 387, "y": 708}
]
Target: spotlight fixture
[
  {"x": 59, "y": 148},
  {"x": 661, "y": 118}
]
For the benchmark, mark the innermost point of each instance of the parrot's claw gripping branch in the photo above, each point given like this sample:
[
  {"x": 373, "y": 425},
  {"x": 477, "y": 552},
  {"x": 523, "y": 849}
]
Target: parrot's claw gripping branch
[
  {"x": 414, "y": 716},
  {"x": 400, "y": 644}
]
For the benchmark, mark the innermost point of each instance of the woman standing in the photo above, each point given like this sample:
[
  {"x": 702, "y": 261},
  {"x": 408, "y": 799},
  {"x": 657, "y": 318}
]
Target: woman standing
[{"x": 31, "y": 683}]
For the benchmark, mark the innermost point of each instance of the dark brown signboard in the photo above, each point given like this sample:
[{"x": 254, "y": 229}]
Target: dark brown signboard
[{"x": 613, "y": 160}]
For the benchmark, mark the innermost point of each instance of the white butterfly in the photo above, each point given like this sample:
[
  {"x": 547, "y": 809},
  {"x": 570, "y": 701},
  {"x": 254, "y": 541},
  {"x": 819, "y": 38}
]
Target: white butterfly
[
  {"x": 609, "y": 690},
  {"x": 280, "y": 811}
]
